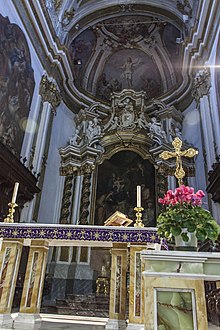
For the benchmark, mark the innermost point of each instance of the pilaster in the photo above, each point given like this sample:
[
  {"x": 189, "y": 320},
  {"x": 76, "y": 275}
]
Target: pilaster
[
  {"x": 201, "y": 91},
  {"x": 118, "y": 288},
  {"x": 10, "y": 256},
  {"x": 33, "y": 283},
  {"x": 136, "y": 293}
]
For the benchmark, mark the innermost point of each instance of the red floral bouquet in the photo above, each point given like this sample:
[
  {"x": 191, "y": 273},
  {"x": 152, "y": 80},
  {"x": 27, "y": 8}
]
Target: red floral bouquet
[{"x": 183, "y": 210}]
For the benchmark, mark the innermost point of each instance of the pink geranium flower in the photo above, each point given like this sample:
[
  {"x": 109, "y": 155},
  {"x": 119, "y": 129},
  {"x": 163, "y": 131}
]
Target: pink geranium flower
[{"x": 182, "y": 194}]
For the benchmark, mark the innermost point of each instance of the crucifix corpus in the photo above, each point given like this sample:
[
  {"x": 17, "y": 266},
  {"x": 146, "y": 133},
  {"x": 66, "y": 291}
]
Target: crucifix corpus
[{"x": 179, "y": 172}]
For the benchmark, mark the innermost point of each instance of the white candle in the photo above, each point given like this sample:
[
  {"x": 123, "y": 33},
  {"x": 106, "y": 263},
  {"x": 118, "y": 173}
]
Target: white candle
[
  {"x": 138, "y": 196},
  {"x": 15, "y": 192}
]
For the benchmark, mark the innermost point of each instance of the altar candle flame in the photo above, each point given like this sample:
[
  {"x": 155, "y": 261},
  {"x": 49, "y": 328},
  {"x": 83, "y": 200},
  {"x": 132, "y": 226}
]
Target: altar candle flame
[
  {"x": 138, "y": 196},
  {"x": 15, "y": 192}
]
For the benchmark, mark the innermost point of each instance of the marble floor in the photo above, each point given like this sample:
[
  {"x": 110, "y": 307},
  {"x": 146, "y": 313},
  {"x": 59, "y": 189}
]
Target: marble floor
[{"x": 67, "y": 322}]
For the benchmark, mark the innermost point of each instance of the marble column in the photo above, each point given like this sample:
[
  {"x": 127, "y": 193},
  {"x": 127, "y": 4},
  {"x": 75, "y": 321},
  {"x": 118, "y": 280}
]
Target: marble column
[
  {"x": 33, "y": 284},
  {"x": 118, "y": 288},
  {"x": 136, "y": 293},
  {"x": 65, "y": 211},
  {"x": 207, "y": 131},
  {"x": 201, "y": 90},
  {"x": 28, "y": 141},
  {"x": 87, "y": 171},
  {"x": 76, "y": 199},
  {"x": 10, "y": 256}
]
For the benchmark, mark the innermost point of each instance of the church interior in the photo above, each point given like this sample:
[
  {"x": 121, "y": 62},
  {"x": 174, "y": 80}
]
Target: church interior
[{"x": 92, "y": 93}]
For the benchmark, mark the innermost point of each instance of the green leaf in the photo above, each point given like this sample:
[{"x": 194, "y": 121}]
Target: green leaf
[
  {"x": 191, "y": 228},
  {"x": 212, "y": 235},
  {"x": 175, "y": 231},
  {"x": 201, "y": 235},
  {"x": 185, "y": 237}
]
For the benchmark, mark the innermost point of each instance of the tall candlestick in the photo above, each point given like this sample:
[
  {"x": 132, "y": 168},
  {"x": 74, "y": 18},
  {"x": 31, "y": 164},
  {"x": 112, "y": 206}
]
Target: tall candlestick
[
  {"x": 15, "y": 192},
  {"x": 138, "y": 196}
]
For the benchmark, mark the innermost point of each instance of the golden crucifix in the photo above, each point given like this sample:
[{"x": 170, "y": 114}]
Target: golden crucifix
[{"x": 179, "y": 172}]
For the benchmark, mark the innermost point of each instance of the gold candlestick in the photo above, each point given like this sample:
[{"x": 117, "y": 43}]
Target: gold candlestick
[
  {"x": 11, "y": 211},
  {"x": 138, "y": 221}
]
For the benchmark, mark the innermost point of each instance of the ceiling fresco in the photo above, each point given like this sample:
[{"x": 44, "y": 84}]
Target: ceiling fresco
[{"x": 130, "y": 52}]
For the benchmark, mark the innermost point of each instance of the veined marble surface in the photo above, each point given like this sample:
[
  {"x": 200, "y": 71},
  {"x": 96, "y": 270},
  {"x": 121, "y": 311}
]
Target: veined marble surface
[
  {"x": 197, "y": 265},
  {"x": 174, "y": 310}
]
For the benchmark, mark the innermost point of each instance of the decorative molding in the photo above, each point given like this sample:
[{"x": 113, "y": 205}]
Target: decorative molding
[
  {"x": 49, "y": 92},
  {"x": 201, "y": 84}
]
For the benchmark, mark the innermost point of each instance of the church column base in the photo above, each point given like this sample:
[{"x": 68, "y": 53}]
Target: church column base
[
  {"x": 5, "y": 320},
  {"x": 116, "y": 325},
  {"x": 133, "y": 326},
  {"x": 26, "y": 320}
]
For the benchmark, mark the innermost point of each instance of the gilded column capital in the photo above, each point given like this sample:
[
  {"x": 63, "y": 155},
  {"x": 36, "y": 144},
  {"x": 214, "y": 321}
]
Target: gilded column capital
[
  {"x": 49, "y": 92},
  {"x": 69, "y": 170},
  {"x": 87, "y": 169},
  {"x": 201, "y": 84}
]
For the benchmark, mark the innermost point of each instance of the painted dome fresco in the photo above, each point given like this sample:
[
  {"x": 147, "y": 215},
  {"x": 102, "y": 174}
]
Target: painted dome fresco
[{"x": 128, "y": 52}]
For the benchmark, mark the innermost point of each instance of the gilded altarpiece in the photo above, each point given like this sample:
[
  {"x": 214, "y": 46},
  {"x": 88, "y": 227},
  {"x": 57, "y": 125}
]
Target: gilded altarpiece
[{"x": 111, "y": 152}]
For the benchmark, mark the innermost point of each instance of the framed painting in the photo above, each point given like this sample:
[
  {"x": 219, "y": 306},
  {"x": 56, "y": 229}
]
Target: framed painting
[{"x": 117, "y": 180}]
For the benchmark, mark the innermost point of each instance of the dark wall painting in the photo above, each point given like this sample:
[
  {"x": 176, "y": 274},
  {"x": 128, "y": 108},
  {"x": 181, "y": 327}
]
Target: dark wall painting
[
  {"x": 16, "y": 84},
  {"x": 117, "y": 184},
  {"x": 81, "y": 50}
]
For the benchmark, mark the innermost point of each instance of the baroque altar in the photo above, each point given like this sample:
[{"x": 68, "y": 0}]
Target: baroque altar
[{"x": 126, "y": 244}]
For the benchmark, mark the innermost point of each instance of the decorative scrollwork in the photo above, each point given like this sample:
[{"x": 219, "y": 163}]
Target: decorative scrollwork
[{"x": 201, "y": 84}]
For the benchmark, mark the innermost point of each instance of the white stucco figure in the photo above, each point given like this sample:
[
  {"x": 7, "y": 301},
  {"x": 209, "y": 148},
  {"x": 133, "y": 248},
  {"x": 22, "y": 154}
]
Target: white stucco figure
[
  {"x": 75, "y": 139},
  {"x": 93, "y": 130},
  {"x": 142, "y": 123},
  {"x": 156, "y": 128}
]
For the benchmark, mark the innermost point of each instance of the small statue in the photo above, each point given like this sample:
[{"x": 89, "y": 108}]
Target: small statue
[
  {"x": 104, "y": 271},
  {"x": 75, "y": 139},
  {"x": 156, "y": 128}
]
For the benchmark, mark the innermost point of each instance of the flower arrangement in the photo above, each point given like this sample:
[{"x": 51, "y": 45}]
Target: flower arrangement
[{"x": 184, "y": 210}]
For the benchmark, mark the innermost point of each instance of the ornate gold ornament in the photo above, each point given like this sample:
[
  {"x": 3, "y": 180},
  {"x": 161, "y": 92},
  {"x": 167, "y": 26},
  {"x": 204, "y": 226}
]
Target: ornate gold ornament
[
  {"x": 177, "y": 144},
  {"x": 49, "y": 92}
]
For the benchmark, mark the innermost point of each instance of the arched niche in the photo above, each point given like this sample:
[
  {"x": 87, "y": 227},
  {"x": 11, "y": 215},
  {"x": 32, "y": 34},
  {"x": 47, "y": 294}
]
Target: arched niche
[{"x": 116, "y": 182}]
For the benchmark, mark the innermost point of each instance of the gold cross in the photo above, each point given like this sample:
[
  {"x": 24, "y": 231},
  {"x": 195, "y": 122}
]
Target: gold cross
[{"x": 179, "y": 172}]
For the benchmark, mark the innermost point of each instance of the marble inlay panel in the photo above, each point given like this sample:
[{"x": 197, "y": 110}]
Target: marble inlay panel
[
  {"x": 4, "y": 268},
  {"x": 175, "y": 309},
  {"x": 32, "y": 279},
  {"x": 151, "y": 284},
  {"x": 138, "y": 275},
  {"x": 118, "y": 284}
]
